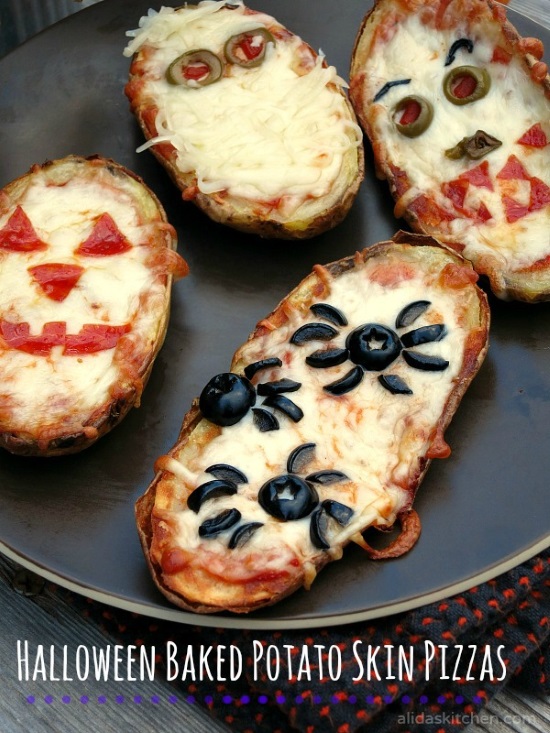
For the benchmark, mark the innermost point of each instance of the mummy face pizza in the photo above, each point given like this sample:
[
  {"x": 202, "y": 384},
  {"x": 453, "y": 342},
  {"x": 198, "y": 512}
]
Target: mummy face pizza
[
  {"x": 456, "y": 105},
  {"x": 86, "y": 263},
  {"x": 324, "y": 426},
  {"x": 251, "y": 123}
]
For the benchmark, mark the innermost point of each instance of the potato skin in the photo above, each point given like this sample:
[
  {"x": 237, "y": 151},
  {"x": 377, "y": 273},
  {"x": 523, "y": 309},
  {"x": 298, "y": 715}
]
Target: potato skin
[
  {"x": 529, "y": 285},
  {"x": 135, "y": 359},
  {"x": 312, "y": 218},
  {"x": 196, "y": 432}
]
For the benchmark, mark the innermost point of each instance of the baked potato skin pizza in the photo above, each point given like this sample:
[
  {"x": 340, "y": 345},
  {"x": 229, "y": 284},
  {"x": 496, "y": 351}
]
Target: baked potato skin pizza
[
  {"x": 457, "y": 107},
  {"x": 324, "y": 425},
  {"x": 87, "y": 260},
  {"x": 251, "y": 124}
]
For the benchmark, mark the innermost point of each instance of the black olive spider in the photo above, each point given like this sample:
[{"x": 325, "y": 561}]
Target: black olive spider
[{"x": 371, "y": 347}]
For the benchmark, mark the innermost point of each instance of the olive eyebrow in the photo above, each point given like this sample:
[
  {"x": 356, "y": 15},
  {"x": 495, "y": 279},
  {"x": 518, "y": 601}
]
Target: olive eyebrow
[
  {"x": 457, "y": 45},
  {"x": 387, "y": 86}
]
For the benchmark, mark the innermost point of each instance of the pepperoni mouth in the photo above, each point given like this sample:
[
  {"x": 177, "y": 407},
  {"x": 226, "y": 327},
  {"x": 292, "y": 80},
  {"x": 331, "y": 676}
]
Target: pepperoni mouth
[{"x": 90, "y": 339}]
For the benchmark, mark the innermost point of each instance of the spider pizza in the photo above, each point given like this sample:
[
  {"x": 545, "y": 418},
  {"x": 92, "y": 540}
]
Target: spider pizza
[
  {"x": 456, "y": 105},
  {"x": 325, "y": 425},
  {"x": 86, "y": 264},
  {"x": 250, "y": 122}
]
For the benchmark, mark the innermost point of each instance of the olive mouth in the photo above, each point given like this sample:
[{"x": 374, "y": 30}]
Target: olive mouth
[{"x": 475, "y": 147}]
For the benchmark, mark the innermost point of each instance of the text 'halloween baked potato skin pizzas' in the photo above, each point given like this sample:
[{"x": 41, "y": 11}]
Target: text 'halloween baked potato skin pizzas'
[
  {"x": 87, "y": 260},
  {"x": 457, "y": 107},
  {"x": 324, "y": 426},
  {"x": 250, "y": 123}
]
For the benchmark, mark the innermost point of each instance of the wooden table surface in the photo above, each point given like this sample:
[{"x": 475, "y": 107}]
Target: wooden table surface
[{"x": 32, "y": 611}]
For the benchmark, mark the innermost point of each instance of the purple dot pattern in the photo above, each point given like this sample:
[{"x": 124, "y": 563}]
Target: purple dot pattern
[{"x": 279, "y": 698}]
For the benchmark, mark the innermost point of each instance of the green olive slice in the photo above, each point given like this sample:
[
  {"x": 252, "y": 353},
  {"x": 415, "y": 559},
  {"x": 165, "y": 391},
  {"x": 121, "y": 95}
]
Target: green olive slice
[
  {"x": 248, "y": 49},
  {"x": 465, "y": 84},
  {"x": 196, "y": 68},
  {"x": 413, "y": 115}
]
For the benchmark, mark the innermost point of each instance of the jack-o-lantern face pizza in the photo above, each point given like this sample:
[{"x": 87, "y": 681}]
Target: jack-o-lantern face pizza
[
  {"x": 456, "y": 105},
  {"x": 324, "y": 426},
  {"x": 86, "y": 264},
  {"x": 252, "y": 125}
]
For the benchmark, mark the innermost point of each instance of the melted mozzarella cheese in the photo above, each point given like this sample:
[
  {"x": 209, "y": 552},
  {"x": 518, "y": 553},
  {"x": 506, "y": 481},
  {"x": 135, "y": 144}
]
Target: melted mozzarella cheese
[
  {"x": 257, "y": 133},
  {"x": 376, "y": 438},
  {"x": 57, "y": 389},
  {"x": 513, "y": 105}
]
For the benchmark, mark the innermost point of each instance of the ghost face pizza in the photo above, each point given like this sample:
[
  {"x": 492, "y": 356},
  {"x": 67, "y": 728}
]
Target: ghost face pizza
[
  {"x": 86, "y": 264},
  {"x": 252, "y": 125},
  {"x": 325, "y": 425},
  {"x": 457, "y": 107}
]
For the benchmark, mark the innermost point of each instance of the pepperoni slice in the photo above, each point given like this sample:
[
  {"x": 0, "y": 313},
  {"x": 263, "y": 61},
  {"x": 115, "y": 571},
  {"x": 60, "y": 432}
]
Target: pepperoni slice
[
  {"x": 94, "y": 337},
  {"x": 55, "y": 279},
  {"x": 105, "y": 240},
  {"x": 513, "y": 209},
  {"x": 513, "y": 170},
  {"x": 18, "y": 234},
  {"x": 478, "y": 176},
  {"x": 18, "y": 336},
  {"x": 540, "y": 195},
  {"x": 456, "y": 191},
  {"x": 535, "y": 137}
]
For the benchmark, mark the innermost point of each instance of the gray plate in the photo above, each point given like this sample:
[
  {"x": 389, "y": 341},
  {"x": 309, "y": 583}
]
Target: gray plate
[{"x": 483, "y": 510}]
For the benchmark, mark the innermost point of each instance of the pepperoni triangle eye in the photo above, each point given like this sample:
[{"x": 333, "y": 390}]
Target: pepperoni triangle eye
[
  {"x": 18, "y": 234},
  {"x": 105, "y": 240}
]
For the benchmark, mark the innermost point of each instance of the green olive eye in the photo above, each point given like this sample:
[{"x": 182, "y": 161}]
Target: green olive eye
[
  {"x": 413, "y": 115},
  {"x": 248, "y": 49},
  {"x": 466, "y": 84},
  {"x": 194, "y": 69}
]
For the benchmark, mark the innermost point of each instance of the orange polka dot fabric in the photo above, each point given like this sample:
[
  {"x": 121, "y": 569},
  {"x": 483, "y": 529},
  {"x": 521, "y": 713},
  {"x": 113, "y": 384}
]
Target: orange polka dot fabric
[{"x": 435, "y": 669}]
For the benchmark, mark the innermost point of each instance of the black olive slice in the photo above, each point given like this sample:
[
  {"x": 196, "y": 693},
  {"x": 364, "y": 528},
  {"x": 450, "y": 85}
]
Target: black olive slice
[
  {"x": 210, "y": 490},
  {"x": 313, "y": 332},
  {"x": 424, "y": 362},
  {"x": 394, "y": 384},
  {"x": 195, "y": 69},
  {"x": 226, "y": 399},
  {"x": 264, "y": 420},
  {"x": 348, "y": 382},
  {"x": 300, "y": 457},
  {"x": 220, "y": 523},
  {"x": 411, "y": 312},
  {"x": 413, "y": 115},
  {"x": 466, "y": 84},
  {"x": 257, "y": 366},
  {"x": 284, "y": 405},
  {"x": 288, "y": 497},
  {"x": 424, "y": 335},
  {"x": 327, "y": 477},
  {"x": 374, "y": 347},
  {"x": 317, "y": 529},
  {"x": 242, "y": 534},
  {"x": 340, "y": 512},
  {"x": 227, "y": 473},
  {"x": 278, "y": 387},
  {"x": 389, "y": 85},
  {"x": 324, "y": 359},
  {"x": 457, "y": 45},
  {"x": 329, "y": 313},
  {"x": 248, "y": 49}
]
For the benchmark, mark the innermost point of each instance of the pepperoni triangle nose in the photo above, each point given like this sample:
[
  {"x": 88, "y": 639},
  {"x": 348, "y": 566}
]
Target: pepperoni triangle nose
[{"x": 56, "y": 280}]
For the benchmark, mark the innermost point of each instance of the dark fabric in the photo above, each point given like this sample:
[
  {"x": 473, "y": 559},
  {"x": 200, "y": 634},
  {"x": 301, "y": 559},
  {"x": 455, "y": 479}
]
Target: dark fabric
[{"x": 505, "y": 620}]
